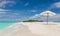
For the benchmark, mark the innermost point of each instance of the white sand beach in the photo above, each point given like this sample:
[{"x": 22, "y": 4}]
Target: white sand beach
[{"x": 32, "y": 29}]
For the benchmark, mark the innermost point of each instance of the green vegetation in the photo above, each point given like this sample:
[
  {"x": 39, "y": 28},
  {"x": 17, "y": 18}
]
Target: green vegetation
[{"x": 33, "y": 21}]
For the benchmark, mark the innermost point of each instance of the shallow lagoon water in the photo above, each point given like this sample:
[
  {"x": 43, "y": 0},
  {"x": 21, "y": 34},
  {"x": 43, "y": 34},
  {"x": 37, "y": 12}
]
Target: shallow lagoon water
[{"x": 5, "y": 24}]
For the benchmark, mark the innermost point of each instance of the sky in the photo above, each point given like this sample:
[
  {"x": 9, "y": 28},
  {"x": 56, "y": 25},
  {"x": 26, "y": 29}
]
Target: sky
[{"x": 20, "y": 10}]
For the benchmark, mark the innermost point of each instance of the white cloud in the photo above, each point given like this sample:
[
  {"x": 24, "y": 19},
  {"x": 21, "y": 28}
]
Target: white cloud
[
  {"x": 54, "y": 6},
  {"x": 26, "y": 4},
  {"x": 33, "y": 10},
  {"x": 57, "y": 4},
  {"x": 57, "y": 16},
  {"x": 3, "y": 11},
  {"x": 4, "y": 2},
  {"x": 16, "y": 13},
  {"x": 35, "y": 16},
  {"x": 9, "y": 16}
]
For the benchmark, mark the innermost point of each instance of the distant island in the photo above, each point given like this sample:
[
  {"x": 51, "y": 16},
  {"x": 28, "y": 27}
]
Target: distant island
[{"x": 33, "y": 21}]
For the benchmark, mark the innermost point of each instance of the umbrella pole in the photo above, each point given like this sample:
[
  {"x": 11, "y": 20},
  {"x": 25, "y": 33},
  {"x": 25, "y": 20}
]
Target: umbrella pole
[{"x": 47, "y": 18}]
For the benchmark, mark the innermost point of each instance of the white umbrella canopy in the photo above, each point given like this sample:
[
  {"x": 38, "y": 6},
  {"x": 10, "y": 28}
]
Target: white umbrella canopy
[{"x": 47, "y": 14}]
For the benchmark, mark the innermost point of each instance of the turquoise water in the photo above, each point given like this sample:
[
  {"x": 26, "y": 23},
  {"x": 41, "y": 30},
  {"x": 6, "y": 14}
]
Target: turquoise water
[{"x": 5, "y": 24}]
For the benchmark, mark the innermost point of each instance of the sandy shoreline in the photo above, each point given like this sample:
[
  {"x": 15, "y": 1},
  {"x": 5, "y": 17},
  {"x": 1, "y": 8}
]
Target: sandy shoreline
[{"x": 33, "y": 29}]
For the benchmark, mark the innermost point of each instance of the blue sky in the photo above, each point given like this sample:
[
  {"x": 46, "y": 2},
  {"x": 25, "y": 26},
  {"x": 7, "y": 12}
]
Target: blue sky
[{"x": 19, "y": 10}]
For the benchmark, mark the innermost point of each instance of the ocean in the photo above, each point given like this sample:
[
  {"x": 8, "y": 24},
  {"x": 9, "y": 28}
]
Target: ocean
[{"x": 5, "y": 24}]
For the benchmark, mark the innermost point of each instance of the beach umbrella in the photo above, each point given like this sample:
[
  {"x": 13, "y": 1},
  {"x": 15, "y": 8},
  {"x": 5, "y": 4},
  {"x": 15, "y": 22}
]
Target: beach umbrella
[{"x": 47, "y": 14}]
